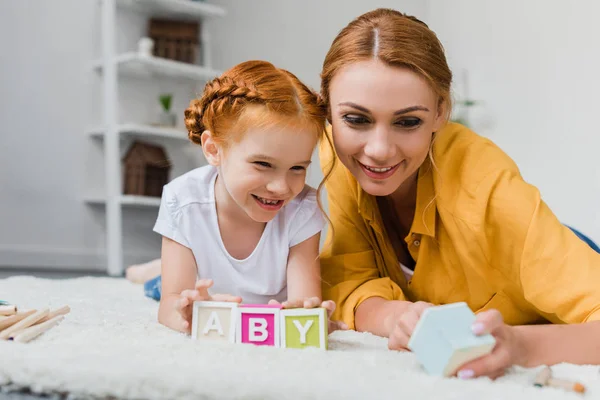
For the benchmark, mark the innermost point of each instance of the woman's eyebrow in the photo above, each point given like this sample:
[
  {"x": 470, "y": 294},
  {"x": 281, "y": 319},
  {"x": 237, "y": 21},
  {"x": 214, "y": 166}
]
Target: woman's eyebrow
[{"x": 398, "y": 112}]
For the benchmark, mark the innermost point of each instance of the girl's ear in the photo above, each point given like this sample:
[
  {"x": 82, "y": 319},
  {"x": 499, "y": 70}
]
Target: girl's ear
[{"x": 211, "y": 149}]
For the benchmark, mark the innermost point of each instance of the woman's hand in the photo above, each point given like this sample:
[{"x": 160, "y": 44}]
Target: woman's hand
[
  {"x": 402, "y": 322},
  {"x": 185, "y": 303},
  {"x": 509, "y": 349},
  {"x": 313, "y": 302}
]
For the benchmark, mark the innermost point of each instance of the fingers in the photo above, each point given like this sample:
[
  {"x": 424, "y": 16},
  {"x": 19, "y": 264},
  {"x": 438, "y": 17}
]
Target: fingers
[
  {"x": 185, "y": 326},
  {"x": 202, "y": 286},
  {"x": 487, "y": 322},
  {"x": 312, "y": 302},
  {"x": 329, "y": 306},
  {"x": 408, "y": 321},
  {"x": 182, "y": 302},
  {"x": 492, "y": 365},
  {"x": 293, "y": 304},
  {"x": 337, "y": 326},
  {"x": 420, "y": 306},
  {"x": 405, "y": 325},
  {"x": 398, "y": 340},
  {"x": 227, "y": 298}
]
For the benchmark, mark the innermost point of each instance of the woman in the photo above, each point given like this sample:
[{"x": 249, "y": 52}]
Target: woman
[{"x": 427, "y": 212}]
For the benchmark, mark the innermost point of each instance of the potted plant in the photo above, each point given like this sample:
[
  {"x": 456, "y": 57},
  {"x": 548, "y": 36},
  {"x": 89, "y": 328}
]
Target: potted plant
[{"x": 167, "y": 118}]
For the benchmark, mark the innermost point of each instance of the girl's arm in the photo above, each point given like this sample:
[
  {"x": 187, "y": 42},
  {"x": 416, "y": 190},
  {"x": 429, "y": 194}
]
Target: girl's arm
[
  {"x": 304, "y": 270},
  {"x": 178, "y": 275},
  {"x": 304, "y": 280}
]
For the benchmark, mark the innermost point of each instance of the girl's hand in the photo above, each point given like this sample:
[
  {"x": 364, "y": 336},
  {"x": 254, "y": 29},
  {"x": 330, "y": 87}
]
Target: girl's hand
[
  {"x": 184, "y": 305},
  {"x": 509, "y": 349},
  {"x": 313, "y": 302},
  {"x": 402, "y": 324}
]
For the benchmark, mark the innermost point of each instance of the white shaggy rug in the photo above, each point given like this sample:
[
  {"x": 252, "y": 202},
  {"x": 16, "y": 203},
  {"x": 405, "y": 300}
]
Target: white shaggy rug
[{"x": 110, "y": 346}]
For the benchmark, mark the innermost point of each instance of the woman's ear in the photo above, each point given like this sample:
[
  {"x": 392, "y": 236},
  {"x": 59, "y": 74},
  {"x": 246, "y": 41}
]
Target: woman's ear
[
  {"x": 442, "y": 116},
  {"x": 211, "y": 149}
]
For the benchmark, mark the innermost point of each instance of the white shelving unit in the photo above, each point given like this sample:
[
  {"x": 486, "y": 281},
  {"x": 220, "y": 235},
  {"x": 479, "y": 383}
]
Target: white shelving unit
[{"x": 113, "y": 66}]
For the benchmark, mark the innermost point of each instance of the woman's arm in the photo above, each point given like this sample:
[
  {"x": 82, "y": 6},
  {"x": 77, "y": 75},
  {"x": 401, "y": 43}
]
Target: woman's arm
[
  {"x": 178, "y": 275},
  {"x": 557, "y": 272},
  {"x": 554, "y": 344},
  {"x": 377, "y": 315}
]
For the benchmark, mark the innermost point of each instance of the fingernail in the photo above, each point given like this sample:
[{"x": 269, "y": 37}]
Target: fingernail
[
  {"x": 344, "y": 326},
  {"x": 466, "y": 373},
  {"x": 477, "y": 328}
]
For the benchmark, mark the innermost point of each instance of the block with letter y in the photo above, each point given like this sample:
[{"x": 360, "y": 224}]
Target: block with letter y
[{"x": 301, "y": 328}]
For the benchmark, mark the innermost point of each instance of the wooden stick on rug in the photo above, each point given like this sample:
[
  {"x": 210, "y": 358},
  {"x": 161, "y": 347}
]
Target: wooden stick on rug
[
  {"x": 32, "y": 332},
  {"x": 25, "y": 323},
  {"x": 13, "y": 319},
  {"x": 60, "y": 311},
  {"x": 8, "y": 310}
]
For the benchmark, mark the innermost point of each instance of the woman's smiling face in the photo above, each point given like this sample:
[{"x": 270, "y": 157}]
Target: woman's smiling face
[{"x": 383, "y": 119}]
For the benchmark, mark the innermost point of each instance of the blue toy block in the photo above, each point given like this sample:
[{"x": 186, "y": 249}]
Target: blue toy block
[{"x": 443, "y": 340}]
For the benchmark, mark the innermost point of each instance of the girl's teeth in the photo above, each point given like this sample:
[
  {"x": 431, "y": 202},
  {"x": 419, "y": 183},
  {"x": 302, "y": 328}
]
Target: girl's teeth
[
  {"x": 379, "y": 169},
  {"x": 265, "y": 201}
]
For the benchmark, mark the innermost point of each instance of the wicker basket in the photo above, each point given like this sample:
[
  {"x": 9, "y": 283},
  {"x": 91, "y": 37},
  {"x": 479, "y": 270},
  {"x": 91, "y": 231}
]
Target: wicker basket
[
  {"x": 175, "y": 40},
  {"x": 146, "y": 170}
]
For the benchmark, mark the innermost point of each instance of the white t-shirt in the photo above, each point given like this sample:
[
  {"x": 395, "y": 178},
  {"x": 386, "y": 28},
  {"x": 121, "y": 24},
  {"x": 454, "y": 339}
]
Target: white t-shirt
[{"x": 188, "y": 215}]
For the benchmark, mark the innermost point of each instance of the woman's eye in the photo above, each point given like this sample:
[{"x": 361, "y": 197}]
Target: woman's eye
[
  {"x": 298, "y": 168},
  {"x": 409, "y": 122},
  {"x": 263, "y": 164},
  {"x": 355, "y": 119}
]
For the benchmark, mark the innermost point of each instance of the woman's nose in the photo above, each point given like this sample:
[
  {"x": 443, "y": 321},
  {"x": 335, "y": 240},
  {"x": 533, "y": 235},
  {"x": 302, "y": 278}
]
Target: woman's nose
[{"x": 379, "y": 146}]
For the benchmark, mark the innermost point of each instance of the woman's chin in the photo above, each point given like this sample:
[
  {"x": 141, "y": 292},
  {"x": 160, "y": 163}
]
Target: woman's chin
[{"x": 377, "y": 188}]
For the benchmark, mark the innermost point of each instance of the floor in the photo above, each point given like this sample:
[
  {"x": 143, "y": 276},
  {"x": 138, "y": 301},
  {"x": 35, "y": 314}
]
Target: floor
[{"x": 40, "y": 273}]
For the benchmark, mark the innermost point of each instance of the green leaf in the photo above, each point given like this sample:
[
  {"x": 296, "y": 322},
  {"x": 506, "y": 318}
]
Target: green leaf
[{"x": 165, "y": 100}]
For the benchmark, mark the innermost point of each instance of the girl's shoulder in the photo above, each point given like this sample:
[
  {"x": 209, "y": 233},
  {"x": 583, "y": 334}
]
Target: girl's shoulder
[{"x": 195, "y": 186}]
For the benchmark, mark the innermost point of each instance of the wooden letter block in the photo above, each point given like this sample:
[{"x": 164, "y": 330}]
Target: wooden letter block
[
  {"x": 443, "y": 341},
  {"x": 259, "y": 325},
  {"x": 301, "y": 328},
  {"x": 214, "y": 321}
]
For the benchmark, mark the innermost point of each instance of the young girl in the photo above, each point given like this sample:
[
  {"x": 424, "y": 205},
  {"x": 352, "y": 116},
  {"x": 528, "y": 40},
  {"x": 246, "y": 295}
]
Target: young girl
[{"x": 246, "y": 224}]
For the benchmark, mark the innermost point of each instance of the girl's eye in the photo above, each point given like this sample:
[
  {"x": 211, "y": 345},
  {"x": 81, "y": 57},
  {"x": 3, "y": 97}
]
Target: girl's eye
[
  {"x": 411, "y": 122},
  {"x": 355, "y": 119},
  {"x": 263, "y": 164},
  {"x": 298, "y": 168}
]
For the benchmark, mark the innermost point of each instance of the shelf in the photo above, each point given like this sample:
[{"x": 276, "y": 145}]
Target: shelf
[
  {"x": 143, "y": 131},
  {"x": 174, "y": 9},
  {"x": 128, "y": 201},
  {"x": 149, "y": 67}
]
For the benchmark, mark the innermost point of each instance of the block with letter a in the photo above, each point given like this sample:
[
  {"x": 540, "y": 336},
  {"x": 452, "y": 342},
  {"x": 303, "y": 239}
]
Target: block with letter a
[
  {"x": 214, "y": 321},
  {"x": 259, "y": 325}
]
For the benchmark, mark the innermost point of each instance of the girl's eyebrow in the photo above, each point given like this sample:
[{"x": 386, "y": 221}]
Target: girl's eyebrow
[
  {"x": 399, "y": 112},
  {"x": 270, "y": 159}
]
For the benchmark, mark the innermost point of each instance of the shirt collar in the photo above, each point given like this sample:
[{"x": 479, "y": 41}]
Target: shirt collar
[{"x": 426, "y": 209}]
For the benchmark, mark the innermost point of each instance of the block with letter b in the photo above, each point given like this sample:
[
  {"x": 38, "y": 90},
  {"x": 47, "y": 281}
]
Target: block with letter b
[
  {"x": 214, "y": 321},
  {"x": 301, "y": 328},
  {"x": 259, "y": 325}
]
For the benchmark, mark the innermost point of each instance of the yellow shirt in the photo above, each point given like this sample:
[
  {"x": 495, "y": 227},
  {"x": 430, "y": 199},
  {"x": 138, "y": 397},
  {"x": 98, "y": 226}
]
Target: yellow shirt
[{"x": 480, "y": 234}]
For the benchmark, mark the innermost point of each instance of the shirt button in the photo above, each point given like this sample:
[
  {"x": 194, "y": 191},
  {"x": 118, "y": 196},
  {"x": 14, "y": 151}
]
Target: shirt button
[{"x": 417, "y": 243}]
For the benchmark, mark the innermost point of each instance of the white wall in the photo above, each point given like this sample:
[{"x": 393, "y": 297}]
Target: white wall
[
  {"x": 49, "y": 96},
  {"x": 535, "y": 65}
]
